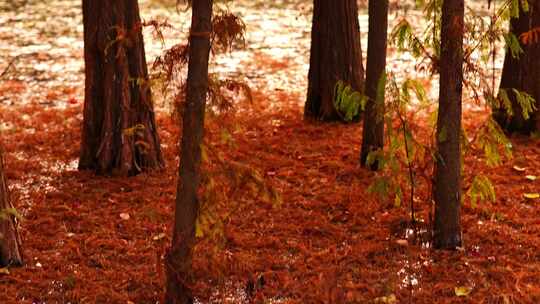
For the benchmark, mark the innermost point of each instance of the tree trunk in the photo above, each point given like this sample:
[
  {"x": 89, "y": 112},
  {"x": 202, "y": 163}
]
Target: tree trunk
[
  {"x": 178, "y": 260},
  {"x": 534, "y": 79},
  {"x": 447, "y": 184},
  {"x": 336, "y": 54},
  {"x": 521, "y": 73},
  {"x": 373, "y": 132},
  {"x": 119, "y": 133},
  {"x": 10, "y": 241}
]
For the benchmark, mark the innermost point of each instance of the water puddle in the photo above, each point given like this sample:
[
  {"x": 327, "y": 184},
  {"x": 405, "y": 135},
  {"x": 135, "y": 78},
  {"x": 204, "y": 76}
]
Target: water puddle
[
  {"x": 236, "y": 293},
  {"x": 43, "y": 182},
  {"x": 415, "y": 236},
  {"x": 408, "y": 278}
]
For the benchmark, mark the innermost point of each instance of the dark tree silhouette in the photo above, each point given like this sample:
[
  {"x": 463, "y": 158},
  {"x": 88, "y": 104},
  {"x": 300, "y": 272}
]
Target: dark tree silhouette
[
  {"x": 522, "y": 73},
  {"x": 10, "y": 241},
  {"x": 373, "y": 132},
  {"x": 178, "y": 260},
  {"x": 119, "y": 133},
  {"x": 336, "y": 54},
  {"x": 447, "y": 183}
]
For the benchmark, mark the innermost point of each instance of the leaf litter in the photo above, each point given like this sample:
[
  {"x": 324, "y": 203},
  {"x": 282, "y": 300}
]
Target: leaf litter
[{"x": 328, "y": 242}]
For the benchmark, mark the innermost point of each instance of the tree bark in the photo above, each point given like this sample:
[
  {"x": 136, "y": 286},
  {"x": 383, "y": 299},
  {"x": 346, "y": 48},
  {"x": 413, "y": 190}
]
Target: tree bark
[
  {"x": 373, "y": 131},
  {"x": 10, "y": 241},
  {"x": 534, "y": 80},
  {"x": 336, "y": 54},
  {"x": 521, "y": 73},
  {"x": 447, "y": 183},
  {"x": 119, "y": 134},
  {"x": 178, "y": 259}
]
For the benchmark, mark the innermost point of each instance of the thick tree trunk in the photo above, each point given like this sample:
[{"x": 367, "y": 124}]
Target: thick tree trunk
[
  {"x": 10, "y": 241},
  {"x": 447, "y": 184},
  {"x": 534, "y": 79},
  {"x": 373, "y": 132},
  {"x": 178, "y": 260},
  {"x": 119, "y": 133},
  {"x": 336, "y": 54},
  {"x": 521, "y": 73}
]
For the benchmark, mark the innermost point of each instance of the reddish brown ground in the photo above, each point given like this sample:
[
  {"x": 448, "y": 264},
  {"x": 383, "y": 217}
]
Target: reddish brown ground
[{"x": 329, "y": 242}]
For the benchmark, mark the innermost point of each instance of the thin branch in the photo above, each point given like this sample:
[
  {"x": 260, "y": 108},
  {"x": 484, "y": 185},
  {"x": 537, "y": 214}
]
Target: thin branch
[{"x": 11, "y": 63}]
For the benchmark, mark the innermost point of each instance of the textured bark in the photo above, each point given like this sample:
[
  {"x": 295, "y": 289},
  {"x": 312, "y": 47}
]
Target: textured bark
[
  {"x": 178, "y": 260},
  {"x": 533, "y": 84},
  {"x": 117, "y": 92},
  {"x": 522, "y": 73},
  {"x": 373, "y": 131},
  {"x": 336, "y": 54},
  {"x": 447, "y": 183},
  {"x": 10, "y": 241}
]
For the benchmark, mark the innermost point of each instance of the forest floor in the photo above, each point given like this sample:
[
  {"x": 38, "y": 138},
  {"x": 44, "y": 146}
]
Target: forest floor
[{"x": 91, "y": 239}]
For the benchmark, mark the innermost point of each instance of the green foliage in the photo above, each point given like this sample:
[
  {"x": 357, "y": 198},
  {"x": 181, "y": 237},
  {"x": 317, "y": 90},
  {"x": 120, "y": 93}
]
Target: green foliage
[
  {"x": 348, "y": 102},
  {"x": 406, "y": 161},
  {"x": 224, "y": 183},
  {"x": 421, "y": 44},
  {"x": 503, "y": 102},
  {"x": 513, "y": 7},
  {"x": 405, "y": 39},
  {"x": 512, "y": 44},
  {"x": 224, "y": 186},
  {"x": 379, "y": 186},
  {"x": 380, "y": 94},
  {"x": 403, "y": 154},
  {"x": 490, "y": 139},
  {"x": 9, "y": 212},
  {"x": 525, "y": 101},
  {"x": 481, "y": 189},
  {"x": 403, "y": 151}
]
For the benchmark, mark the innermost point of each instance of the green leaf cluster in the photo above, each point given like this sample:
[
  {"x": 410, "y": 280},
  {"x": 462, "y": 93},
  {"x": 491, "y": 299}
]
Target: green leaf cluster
[
  {"x": 348, "y": 102},
  {"x": 525, "y": 101},
  {"x": 7, "y": 213},
  {"x": 490, "y": 140},
  {"x": 481, "y": 189},
  {"x": 404, "y": 156},
  {"x": 405, "y": 39}
]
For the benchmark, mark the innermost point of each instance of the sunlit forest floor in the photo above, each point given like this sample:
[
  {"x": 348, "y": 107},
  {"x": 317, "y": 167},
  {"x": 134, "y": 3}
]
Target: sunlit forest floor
[{"x": 91, "y": 239}]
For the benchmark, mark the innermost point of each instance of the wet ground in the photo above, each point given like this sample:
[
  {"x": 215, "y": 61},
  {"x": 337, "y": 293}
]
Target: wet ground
[
  {"x": 42, "y": 44},
  {"x": 325, "y": 244}
]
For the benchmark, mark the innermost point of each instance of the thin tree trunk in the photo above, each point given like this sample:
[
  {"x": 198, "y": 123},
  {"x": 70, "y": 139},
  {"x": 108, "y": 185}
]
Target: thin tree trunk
[
  {"x": 178, "y": 259},
  {"x": 10, "y": 241},
  {"x": 447, "y": 184},
  {"x": 336, "y": 54},
  {"x": 373, "y": 132},
  {"x": 119, "y": 134}
]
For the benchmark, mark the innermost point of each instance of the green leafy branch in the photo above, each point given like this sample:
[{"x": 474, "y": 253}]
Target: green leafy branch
[{"x": 348, "y": 102}]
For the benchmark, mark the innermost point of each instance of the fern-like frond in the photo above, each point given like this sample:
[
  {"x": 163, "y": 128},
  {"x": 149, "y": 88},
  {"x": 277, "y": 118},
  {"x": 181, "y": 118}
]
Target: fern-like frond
[{"x": 348, "y": 102}]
